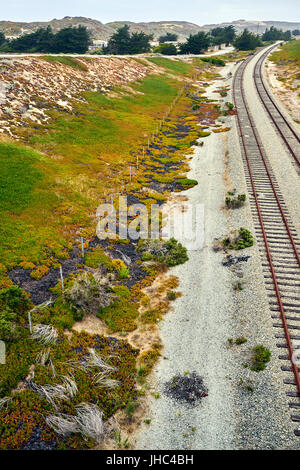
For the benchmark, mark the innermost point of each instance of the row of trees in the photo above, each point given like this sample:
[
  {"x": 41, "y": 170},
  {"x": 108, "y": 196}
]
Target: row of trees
[
  {"x": 247, "y": 41},
  {"x": 274, "y": 34},
  {"x": 77, "y": 40},
  {"x": 44, "y": 40}
]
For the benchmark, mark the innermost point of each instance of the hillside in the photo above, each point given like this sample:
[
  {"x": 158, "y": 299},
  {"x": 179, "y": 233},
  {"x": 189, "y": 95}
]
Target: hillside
[
  {"x": 103, "y": 31},
  {"x": 255, "y": 26}
]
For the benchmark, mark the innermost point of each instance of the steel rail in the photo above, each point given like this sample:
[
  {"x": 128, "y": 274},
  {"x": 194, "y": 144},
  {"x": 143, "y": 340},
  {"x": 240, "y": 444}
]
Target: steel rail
[
  {"x": 258, "y": 72},
  {"x": 261, "y": 220}
]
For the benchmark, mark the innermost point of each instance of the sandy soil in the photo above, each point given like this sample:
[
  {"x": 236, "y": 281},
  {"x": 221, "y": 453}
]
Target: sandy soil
[{"x": 286, "y": 92}]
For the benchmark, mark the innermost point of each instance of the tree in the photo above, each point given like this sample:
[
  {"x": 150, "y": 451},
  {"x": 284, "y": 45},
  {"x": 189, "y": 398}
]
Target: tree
[
  {"x": 119, "y": 42},
  {"x": 296, "y": 32},
  {"x": 229, "y": 34},
  {"x": 139, "y": 43},
  {"x": 166, "y": 49},
  {"x": 223, "y": 35},
  {"x": 196, "y": 43},
  {"x": 169, "y": 37},
  {"x": 122, "y": 42},
  {"x": 2, "y": 38},
  {"x": 247, "y": 41},
  {"x": 67, "y": 40},
  {"x": 72, "y": 40},
  {"x": 274, "y": 34}
]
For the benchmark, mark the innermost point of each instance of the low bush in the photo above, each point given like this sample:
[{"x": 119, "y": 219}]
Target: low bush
[
  {"x": 235, "y": 202},
  {"x": 261, "y": 356},
  {"x": 15, "y": 299},
  {"x": 170, "y": 253},
  {"x": 244, "y": 239},
  {"x": 214, "y": 61},
  {"x": 240, "y": 340},
  {"x": 186, "y": 182}
]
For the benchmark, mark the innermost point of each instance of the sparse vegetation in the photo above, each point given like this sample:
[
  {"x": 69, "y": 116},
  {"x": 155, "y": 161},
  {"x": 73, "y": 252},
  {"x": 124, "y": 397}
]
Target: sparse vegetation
[
  {"x": 261, "y": 356},
  {"x": 235, "y": 202},
  {"x": 243, "y": 239}
]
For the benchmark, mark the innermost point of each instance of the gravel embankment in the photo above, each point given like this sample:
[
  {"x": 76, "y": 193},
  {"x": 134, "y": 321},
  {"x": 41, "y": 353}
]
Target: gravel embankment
[{"x": 195, "y": 335}]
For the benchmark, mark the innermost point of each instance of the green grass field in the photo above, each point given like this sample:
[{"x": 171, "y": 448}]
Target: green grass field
[
  {"x": 288, "y": 53},
  {"x": 50, "y": 190}
]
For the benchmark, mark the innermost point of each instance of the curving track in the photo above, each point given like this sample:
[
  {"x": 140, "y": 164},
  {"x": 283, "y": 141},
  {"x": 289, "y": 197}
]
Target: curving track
[
  {"x": 277, "y": 239},
  {"x": 282, "y": 126}
]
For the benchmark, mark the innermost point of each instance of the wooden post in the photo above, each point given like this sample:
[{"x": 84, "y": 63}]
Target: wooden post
[
  {"x": 29, "y": 321},
  {"x": 82, "y": 248},
  {"x": 61, "y": 278}
]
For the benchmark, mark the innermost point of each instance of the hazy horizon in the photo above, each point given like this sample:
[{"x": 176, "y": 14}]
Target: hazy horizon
[{"x": 194, "y": 11}]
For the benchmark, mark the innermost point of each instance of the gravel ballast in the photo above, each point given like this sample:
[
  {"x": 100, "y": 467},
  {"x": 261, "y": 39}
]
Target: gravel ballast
[{"x": 243, "y": 409}]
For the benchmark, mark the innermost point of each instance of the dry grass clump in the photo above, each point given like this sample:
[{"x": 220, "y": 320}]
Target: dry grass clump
[
  {"x": 88, "y": 421},
  {"x": 58, "y": 392},
  {"x": 45, "y": 334},
  {"x": 88, "y": 294}
]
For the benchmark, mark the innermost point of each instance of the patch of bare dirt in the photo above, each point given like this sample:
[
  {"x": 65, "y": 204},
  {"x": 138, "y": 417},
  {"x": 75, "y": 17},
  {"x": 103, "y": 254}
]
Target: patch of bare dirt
[{"x": 285, "y": 87}]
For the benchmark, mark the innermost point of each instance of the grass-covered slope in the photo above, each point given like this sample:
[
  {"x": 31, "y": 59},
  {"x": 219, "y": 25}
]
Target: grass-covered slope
[{"x": 51, "y": 182}]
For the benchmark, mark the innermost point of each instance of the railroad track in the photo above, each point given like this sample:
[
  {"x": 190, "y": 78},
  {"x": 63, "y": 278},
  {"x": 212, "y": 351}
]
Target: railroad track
[
  {"x": 278, "y": 244},
  {"x": 282, "y": 126}
]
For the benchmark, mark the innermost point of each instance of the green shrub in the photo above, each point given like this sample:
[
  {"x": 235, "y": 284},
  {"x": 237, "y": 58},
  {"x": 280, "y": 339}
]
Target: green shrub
[
  {"x": 244, "y": 239},
  {"x": 235, "y": 202},
  {"x": 240, "y": 340},
  {"x": 171, "y": 295},
  {"x": 260, "y": 358},
  {"x": 214, "y": 61},
  {"x": 7, "y": 324},
  {"x": 124, "y": 273},
  {"x": 15, "y": 299},
  {"x": 166, "y": 49},
  {"x": 176, "y": 254},
  {"x": 203, "y": 134},
  {"x": 187, "y": 182},
  {"x": 229, "y": 105}
]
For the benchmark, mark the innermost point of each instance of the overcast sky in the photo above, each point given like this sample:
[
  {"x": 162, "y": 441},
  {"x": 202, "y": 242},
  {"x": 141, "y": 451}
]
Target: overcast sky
[{"x": 196, "y": 11}]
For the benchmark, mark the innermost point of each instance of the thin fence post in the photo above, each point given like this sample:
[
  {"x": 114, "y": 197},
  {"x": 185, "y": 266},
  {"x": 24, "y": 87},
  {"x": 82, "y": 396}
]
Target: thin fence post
[
  {"x": 29, "y": 321},
  {"x": 82, "y": 248},
  {"x": 61, "y": 278}
]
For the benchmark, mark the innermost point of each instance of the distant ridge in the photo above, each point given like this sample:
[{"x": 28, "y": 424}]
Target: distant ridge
[{"x": 103, "y": 31}]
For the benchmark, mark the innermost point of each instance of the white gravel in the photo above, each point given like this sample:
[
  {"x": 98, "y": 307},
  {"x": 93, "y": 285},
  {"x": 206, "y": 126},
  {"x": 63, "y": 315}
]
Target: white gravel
[{"x": 195, "y": 335}]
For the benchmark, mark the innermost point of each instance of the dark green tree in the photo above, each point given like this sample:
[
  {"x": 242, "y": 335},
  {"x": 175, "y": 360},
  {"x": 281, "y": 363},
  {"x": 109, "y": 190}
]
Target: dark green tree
[
  {"x": 67, "y": 40},
  {"x": 122, "y": 42},
  {"x": 274, "y": 34},
  {"x": 2, "y": 38},
  {"x": 168, "y": 37},
  {"x": 72, "y": 40},
  {"x": 196, "y": 43},
  {"x": 139, "y": 43},
  {"x": 119, "y": 42},
  {"x": 166, "y": 49},
  {"x": 223, "y": 35},
  {"x": 247, "y": 41}
]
